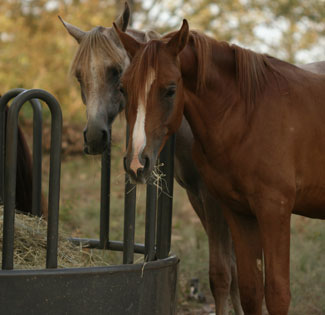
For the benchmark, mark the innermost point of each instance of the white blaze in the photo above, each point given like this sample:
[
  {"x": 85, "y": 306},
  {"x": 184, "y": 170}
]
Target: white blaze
[
  {"x": 92, "y": 104},
  {"x": 139, "y": 134}
]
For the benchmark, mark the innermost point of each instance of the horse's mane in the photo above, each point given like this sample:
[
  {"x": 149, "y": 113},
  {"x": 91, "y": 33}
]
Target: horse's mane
[
  {"x": 251, "y": 69},
  {"x": 96, "y": 41},
  {"x": 202, "y": 44}
]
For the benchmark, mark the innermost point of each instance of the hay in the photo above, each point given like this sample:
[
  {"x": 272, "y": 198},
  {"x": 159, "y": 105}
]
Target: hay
[
  {"x": 158, "y": 178},
  {"x": 30, "y": 246}
]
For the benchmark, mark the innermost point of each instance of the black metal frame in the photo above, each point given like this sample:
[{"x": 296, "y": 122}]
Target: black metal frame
[
  {"x": 37, "y": 147},
  {"x": 158, "y": 220},
  {"x": 10, "y": 170},
  {"x": 133, "y": 289},
  {"x": 148, "y": 288}
]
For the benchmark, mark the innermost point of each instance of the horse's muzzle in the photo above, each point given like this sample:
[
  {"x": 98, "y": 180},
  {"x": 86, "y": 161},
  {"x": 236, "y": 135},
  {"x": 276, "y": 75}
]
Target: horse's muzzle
[
  {"x": 141, "y": 173},
  {"x": 96, "y": 142}
]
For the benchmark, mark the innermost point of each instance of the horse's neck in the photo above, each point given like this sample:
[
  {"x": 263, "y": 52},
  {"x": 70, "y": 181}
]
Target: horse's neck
[{"x": 208, "y": 110}]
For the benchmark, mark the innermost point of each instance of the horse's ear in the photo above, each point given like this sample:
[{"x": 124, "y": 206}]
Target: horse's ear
[
  {"x": 179, "y": 40},
  {"x": 74, "y": 31},
  {"x": 130, "y": 44},
  {"x": 123, "y": 20}
]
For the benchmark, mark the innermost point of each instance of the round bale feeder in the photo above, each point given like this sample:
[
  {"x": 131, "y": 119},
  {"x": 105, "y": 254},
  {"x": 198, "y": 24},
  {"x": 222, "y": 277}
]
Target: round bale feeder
[{"x": 146, "y": 288}]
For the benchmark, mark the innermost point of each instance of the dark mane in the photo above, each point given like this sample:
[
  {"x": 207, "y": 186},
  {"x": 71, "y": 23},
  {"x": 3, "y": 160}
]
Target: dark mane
[{"x": 96, "y": 41}]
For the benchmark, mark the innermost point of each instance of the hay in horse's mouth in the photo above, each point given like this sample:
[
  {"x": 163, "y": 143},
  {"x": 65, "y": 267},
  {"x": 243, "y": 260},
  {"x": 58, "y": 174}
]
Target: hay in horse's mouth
[
  {"x": 159, "y": 181},
  {"x": 30, "y": 246}
]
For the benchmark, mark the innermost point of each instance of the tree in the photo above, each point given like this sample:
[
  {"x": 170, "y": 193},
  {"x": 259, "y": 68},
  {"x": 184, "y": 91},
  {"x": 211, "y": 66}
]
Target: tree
[{"x": 284, "y": 28}]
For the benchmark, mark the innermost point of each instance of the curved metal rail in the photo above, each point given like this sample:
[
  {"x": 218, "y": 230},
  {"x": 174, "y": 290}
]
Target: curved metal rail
[
  {"x": 158, "y": 219},
  {"x": 148, "y": 288},
  {"x": 37, "y": 146},
  {"x": 10, "y": 176}
]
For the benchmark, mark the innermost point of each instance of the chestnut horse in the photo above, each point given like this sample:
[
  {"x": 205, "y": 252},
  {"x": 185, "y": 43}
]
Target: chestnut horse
[{"x": 259, "y": 142}]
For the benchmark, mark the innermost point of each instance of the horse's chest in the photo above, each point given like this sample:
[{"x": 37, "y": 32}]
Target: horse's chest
[{"x": 215, "y": 172}]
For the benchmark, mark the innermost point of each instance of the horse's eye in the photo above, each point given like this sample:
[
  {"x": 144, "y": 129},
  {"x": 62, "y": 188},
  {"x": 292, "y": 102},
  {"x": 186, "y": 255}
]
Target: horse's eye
[
  {"x": 114, "y": 72},
  {"x": 78, "y": 76},
  {"x": 171, "y": 90}
]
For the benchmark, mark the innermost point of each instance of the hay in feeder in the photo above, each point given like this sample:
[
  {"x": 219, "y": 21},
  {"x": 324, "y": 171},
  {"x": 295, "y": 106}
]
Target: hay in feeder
[{"x": 30, "y": 246}]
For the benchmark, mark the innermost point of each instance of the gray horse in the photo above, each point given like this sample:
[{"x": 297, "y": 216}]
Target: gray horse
[{"x": 98, "y": 66}]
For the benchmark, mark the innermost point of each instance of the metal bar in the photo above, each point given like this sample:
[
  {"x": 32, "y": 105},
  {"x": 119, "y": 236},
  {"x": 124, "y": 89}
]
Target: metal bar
[
  {"x": 10, "y": 190},
  {"x": 105, "y": 194},
  {"x": 4, "y": 100},
  {"x": 10, "y": 176},
  {"x": 165, "y": 200},
  {"x": 129, "y": 221},
  {"x": 129, "y": 217},
  {"x": 37, "y": 147},
  {"x": 151, "y": 216},
  {"x": 37, "y": 157},
  {"x": 112, "y": 245}
]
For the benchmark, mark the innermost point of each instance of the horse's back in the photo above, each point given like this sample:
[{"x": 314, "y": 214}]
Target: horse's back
[{"x": 316, "y": 67}]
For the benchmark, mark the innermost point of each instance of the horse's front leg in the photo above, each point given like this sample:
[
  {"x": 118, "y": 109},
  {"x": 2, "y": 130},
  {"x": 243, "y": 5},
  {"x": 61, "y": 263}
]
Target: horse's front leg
[
  {"x": 248, "y": 247},
  {"x": 234, "y": 288},
  {"x": 223, "y": 271},
  {"x": 274, "y": 221},
  {"x": 220, "y": 248}
]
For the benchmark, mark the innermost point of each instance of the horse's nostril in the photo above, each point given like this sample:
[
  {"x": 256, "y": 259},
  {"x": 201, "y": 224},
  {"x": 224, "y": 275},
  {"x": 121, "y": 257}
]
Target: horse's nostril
[
  {"x": 104, "y": 136},
  {"x": 140, "y": 171},
  {"x": 124, "y": 163},
  {"x": 146, "y": 162},
  {"x": 85, "y": 135}
]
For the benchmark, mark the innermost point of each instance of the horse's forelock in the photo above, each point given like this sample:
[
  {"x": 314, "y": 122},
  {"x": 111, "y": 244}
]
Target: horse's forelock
[
  {"x": 140, "y": 72},
  {"x": 96, "y": 43}
]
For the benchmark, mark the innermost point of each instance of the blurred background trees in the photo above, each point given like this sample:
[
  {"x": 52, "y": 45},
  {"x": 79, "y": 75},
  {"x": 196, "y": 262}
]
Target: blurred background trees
[{"x": 36, "y": 51}]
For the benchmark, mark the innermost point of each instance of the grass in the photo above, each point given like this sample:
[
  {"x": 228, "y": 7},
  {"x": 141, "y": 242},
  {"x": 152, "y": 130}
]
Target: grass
[
  {"x": 307, "y": 266},
  {"x": 79, "y": 214}
]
